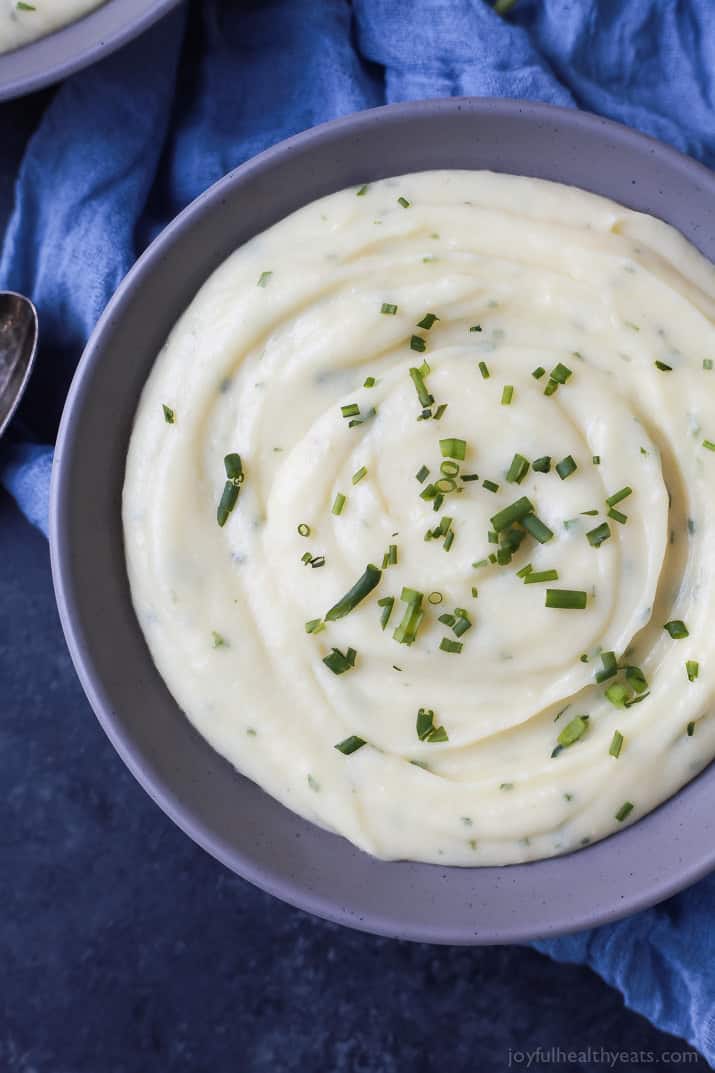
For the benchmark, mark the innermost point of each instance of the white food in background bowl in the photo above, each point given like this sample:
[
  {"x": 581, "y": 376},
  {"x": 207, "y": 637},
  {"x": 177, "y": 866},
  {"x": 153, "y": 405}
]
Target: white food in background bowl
[{"x": 21, "y": 23}]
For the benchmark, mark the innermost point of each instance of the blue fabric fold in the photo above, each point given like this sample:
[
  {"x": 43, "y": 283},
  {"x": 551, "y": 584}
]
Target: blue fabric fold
[{"x": 122, "y": 147}]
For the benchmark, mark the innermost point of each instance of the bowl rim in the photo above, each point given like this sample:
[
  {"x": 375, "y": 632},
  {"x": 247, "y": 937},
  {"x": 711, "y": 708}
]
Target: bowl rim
[
  {"x": 76, "y": 45},
  {"x": 61, "y": 553}
]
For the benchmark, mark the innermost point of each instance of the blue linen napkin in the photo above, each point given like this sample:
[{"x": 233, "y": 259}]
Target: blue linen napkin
[{"x": 122, "y": 147}]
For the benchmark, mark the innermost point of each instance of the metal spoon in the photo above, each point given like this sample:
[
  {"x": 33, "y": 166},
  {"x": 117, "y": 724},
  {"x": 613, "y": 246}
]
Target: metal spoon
[{"x": 18, "y": 345}]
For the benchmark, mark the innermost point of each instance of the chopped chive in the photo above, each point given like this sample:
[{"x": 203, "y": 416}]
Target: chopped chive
[
  {"x": 404, "y": 202},
  {"x": 537, "y": 528},
  {"x": 264, "y": 279},
  {"x": 392, "y": 555},
  {"x": 617, "y": 516},
  {"x": 304, "y": 529},
  {"x": 566, "y": 467},
  {"x": 515, "y": 512},
  {"x": 438, "y": 734},
  {"x": 573, "y": 730},
  {"x": 427, "y": 321},
  {"x": 542, "y": 465},
  {"x": 417, "y": 343},
  {"x": 439, "y": 412},
  {"x": 422, "y": 474},
  {"x": 707, "y": 363},
  {"x": 596, "y": 460},
  {"x": 314, "y": 625},
  {"x": 636, "y": 678},
  {"x": 624, "y": 811},
  {"x": 370, "y": 381},
  {"x": 317, "y": 561},
  {"x": 507, "y": 395},
  {"x": 425, "y": 723},
  {"x": 217, "y": 640},
  {"x": 663, "y": 367},
  {"x": 692, "y": 668},
  {"x": 350, "y": 410},
  {"x": 388, "y": 309},
  {"x": 493, "y": 536},
  {"x": 338, "y": 503},
  {"x": 355, "y": 421},
  {"x": 445, "y": 485},
  {"x": 589, "y": 513},
  {"x": 536, "y": 576},
  {"x": 229, "y": 498},
  {"x": 386, "y": 603},
  {"x": 566, "y": 599},
  {"x": 491, "y": 486},
  {"x": 359, "y": 474},
  {"x": 504, "y": 556},
  {"x": 524, "y": 570},
  {"x": 429, "y": 492},
  {"x": 362, "y": 191},
  {"x": 437, "y": 502},
  {"x": 551, "y": 387},
  {"x": 446, "y": 619},
  {"x": 583, "y": 657},
  {"x": 470, "y": 476},
  {"x": 622, "y": 493},
  {"x": 484, "y": 370},
  {"x": 406, "y": 632},
  {"x": 677, "y": 629},
  {"x": 448, "y": 540},
  {"x": 461, "y": 625},
  {"x": 475, "y": 591},
  {"x": 453, "y": 448},
  {"x": 435, "y": 597},
  {"x": 560, "y": 373},
  {"x": 306, "y": 557},
  {"x": 476, "y": 328},
  {"x": 448, "y": 645},
  {"x": 169, "y": 414},
  {"x": 444, "y": 526},
  {"x": 709, "y": 445},
  {"x": 422, "y": 393},
  {"x": 690, "y": 729},
  {"x": 597, "y": 536},
  {"x": 618, "y": 694},
  {"x": 339, "y": 663},
  {"x": 350, "y": 745},
  {"x": 616, "y": 744},
  {"x": 538, "y": 372},
  {"x": 362, "y": 588},
  {"x": 609, "y": 668},
  {"x": 449, "y": 468},
  {"x": 518, "y": 469}
]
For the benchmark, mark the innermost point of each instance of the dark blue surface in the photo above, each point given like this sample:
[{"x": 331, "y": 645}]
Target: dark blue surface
[{"x": 126, "y": 949}]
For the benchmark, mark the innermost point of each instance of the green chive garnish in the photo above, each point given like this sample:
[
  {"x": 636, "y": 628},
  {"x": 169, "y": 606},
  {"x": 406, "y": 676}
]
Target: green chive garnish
[
  {"x": 507, "y": 395},
  {"x": 427, "y": 321},
  {"x": 453, "y": 448},
  {"x": 566, "y": 599},
  {"x": 388, "y": 309},
  {"x": 596, "y": 460},
  {"x": 518, "y": 469},
  {"x": 359, "y": 474},
  {"x": 422, "y": 474},
  {"x": 422, "y": 393},
  {"x": 362, "y": 588},
  {"x": 484, "y": 370},
  {"x": 449, "y": 468},
  {"x": 362, "y": 191},
  {"x": 406, "y": 632},
  {"x": 677, "y": 629},
  {"x": 417, "y": 343},
  {"x": 709, "y": 445},
  {"x": 690, "y": 729},
  {"x": 573, "y": 731},
  {"x": 169, "y": 414},
  {"x": 448, "y": 540},
  {"x": 537, "y": 528},
  {"x": 350, "y": 410},
  {"x": 304, "y": 529},
  {"x": 538, "y": 372},
  {"x": 338, "y": 503},
  {"x": 234, "y": 479},
  {"x": 476, "y": 328},
  {"x": 551, "y": 387},
  {"x": 707, "y": 363},
  {"x": 618, "y": 694},
  {"x": 692, "y": 668},
  {"x": 636, "y": 678},
  {"x": 622, "y": 493},
  {"x": 663, "y": 367},
  {"x": 350, "y": 745},
  {"x": 315, "y": 625},
  {"x": 560, "y": 373},
  {"x": 264, "y": 279},
  {"x": 339, "y": 663},
  {"x": 386, "y": 603},
  {"x": 448, "y": 645},
  {"x": 616, "y": 744},
  {"x": 425, "y": 723},
  {"x": 597, "y": 536},
  {"x": 536, "y": 576},
  {"x": 542, "y": 465},
  {"x": 404, "y": 202},
  {"x": 435, "y": 597},
  {"x": 491, "y": 486},
  {"x": 439, "y": 412},
  {"x": 624, "y": 811},
  {"x": 515, "y": 512},
  {"x": 617, "y": 516},
  {"x": 566, "y": 467},
  {"x": 609, "y": 668},
  {"x": 217, "y": 640},
  {"x": 370, "y": 381},
  {"x": 470, "y": 476}
]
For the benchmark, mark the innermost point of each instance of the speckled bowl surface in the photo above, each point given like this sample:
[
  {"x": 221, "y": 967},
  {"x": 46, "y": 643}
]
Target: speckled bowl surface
[
  {"x": 77, "y": 45},
  {"x": 225, "y": 813}
]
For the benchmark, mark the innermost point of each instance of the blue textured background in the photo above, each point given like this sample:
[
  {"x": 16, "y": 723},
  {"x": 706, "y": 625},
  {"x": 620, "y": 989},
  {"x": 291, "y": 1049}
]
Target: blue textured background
[{"x": 125, "y": 948}]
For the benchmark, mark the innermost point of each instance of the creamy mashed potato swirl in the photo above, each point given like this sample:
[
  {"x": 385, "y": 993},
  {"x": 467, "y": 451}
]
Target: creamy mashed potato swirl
[
  {"x": 559, "y": 724},
  {"x": 22, "y": 23}
]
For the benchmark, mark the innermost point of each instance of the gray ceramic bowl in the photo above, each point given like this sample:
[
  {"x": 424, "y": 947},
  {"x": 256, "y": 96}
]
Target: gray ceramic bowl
[
  {"x": 225, "y": 813},
  {"x": 81, "y": 43}
]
